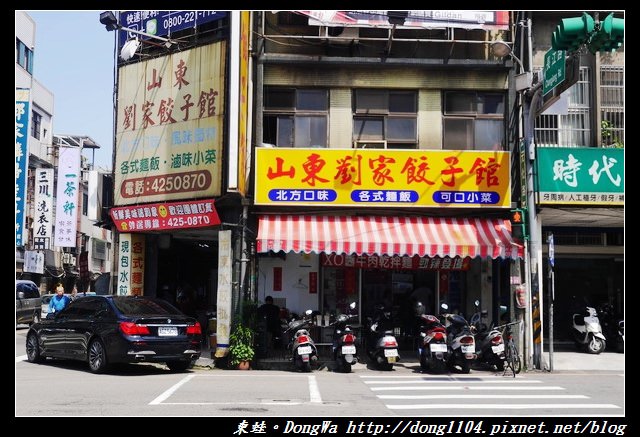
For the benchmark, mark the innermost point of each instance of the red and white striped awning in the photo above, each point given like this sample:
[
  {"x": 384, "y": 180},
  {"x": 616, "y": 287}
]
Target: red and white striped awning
[{"x": 423, "y": 236}]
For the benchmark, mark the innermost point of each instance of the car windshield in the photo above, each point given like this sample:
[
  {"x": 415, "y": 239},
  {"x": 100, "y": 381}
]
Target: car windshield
[{"x": 133, "y": 306}]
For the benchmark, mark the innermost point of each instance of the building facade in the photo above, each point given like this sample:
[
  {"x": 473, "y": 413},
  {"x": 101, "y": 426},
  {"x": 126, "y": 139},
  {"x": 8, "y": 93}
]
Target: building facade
[{"x": 39, "y": 256}]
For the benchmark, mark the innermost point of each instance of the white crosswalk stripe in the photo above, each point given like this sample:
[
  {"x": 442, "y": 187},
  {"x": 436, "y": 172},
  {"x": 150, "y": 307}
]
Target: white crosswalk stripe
[{"x": 477, "y": 392}]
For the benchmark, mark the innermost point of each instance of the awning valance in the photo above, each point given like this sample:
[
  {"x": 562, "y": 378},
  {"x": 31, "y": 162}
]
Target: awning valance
[{"x": 423, "y": 236}]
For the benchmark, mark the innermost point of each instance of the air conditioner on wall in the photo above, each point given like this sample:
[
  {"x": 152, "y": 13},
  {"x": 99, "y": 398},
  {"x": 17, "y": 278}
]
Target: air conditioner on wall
[{"x": 340, "y": 35}]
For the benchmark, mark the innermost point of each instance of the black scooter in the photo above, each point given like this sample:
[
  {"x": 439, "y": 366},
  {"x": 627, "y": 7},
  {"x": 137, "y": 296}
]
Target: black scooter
[
  {"x": 344, "y": 341},
  {"x": 382, "y": 346}
]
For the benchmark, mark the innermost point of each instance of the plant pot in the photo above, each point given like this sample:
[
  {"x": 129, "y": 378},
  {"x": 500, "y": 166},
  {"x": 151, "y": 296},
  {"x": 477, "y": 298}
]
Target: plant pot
[{"x": 244, "y": 365}]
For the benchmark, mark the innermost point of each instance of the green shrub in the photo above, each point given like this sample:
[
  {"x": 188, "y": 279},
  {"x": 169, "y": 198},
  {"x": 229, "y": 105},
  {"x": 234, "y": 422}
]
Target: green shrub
[{"x": 240, "y": 344}]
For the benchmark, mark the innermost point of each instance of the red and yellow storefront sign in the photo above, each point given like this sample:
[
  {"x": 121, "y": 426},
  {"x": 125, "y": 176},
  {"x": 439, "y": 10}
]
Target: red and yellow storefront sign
[{"x": 382, "y": 178}]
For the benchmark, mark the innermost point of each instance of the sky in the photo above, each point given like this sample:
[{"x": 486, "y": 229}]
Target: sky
[{"x": 73, "y": 58}]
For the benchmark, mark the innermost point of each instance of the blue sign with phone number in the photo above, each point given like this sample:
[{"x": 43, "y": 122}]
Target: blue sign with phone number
[{"x": 163, "y": 23}]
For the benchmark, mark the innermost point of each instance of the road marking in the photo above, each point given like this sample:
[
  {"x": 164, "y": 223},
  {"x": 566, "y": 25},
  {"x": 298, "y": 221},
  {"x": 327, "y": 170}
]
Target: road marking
[
  {"x": 498, "y": 406},
  {"x": 511, "y": 396},
  {"x": 443, "y": 377},
  {"x": 171, "y": 390},
  {"x": 466, "y": 387},
  {"x": 528, "y": 381},
  {"x": 21, "y": 358},
  {"x": 314, "y": 393}
]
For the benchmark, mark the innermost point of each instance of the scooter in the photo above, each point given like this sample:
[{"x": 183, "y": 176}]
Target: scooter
[
  {"x": 587, "y": 332},
  {"x": 302, "y": 346},
  {"x": 433, "y": 351},
  {"x": 382, "y": 346},
  {"x": 612, "y": 327},
  {"x": 344, "y": 341},
  {"x": 489, "y": 341},
  {"x": 462, "y": 346}
]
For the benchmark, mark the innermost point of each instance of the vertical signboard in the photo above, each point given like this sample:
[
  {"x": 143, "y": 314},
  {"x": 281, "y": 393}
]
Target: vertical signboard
[
  {"x": 169, "y": 127},
  {"x": 42, "y": 222},
  {"x": 124, "y": 265},
  {"x": 223, "y": 314},
  {"x": 67, "y": 196},
  {"x": 137, "y": 264},
  {"x": 22, "y": 160},
  {"x": 239, "y": 95},
  {"x": 131, "y": 265}
]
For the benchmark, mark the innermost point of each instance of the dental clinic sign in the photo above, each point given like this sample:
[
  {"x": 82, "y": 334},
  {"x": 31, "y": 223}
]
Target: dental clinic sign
[{"x": 581, "y": 176}]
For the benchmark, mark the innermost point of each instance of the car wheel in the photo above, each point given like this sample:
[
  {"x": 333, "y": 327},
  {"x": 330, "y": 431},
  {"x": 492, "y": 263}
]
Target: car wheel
[
  {"x": 33, "y": 349},
  {"x": 97, "y": 357},
  {"x": 178, "y": 366}
]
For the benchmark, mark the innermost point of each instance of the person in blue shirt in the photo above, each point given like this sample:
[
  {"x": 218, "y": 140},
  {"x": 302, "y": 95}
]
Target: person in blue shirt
[{"x": 59, "y": 301}]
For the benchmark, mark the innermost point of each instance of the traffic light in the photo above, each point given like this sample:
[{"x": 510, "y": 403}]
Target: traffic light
[
  {"x": 609, "y": 36},
  {"x": 571, "y": 33},
  {"x": 518, "y": 221}
]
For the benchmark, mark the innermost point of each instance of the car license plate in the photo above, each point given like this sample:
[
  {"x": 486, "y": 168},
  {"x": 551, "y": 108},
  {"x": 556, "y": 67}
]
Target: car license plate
[
  {"x": 468, "y": 349},
  {"x": 304, "y": 350},
  {"x": 391, "y": 353},
  {"x": 348, "y": 350},
  {"x": 167, "y": 331},
  {"x": 497, "y": 349},
  {"x": 438, "y": 347},
  {"x": 391, "y": 359}
]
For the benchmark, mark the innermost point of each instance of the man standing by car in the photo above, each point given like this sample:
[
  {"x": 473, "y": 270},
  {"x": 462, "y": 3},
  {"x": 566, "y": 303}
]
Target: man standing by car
[{"x": 59, "y": 301}]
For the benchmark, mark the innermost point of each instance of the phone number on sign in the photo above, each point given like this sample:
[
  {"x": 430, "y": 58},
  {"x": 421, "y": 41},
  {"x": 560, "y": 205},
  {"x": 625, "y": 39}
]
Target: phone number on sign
[
  {"x": 196, "y": 220},
  {"x": 166, "y": 184}
]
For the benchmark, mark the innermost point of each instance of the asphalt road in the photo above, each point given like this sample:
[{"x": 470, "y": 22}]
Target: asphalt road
[{"x": 67, "y": 388}]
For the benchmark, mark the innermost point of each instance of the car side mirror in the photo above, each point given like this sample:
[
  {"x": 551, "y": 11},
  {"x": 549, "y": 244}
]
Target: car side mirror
[{"x": 20, "y": 294}]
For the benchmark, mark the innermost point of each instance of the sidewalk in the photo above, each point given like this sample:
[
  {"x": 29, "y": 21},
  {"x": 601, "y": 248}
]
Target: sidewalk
[{"x": 564, "y": 360}]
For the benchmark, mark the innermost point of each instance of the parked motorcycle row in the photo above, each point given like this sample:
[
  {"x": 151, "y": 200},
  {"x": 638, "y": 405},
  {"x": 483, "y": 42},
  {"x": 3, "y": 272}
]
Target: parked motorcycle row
[{"x": 447, "y": 342}]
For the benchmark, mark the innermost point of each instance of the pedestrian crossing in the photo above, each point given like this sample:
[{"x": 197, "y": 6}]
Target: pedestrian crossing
[{"x": 448, "y": 394}]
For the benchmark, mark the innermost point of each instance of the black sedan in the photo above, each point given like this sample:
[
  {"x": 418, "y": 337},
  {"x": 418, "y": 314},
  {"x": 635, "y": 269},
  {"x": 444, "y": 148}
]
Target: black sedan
[{"x": 103, "y": 330}]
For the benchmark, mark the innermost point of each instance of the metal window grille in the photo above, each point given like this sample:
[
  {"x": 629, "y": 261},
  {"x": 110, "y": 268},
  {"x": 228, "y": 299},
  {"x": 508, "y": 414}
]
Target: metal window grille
[
  {"x": 574, "y": 128},
  {"x": 612, "y": 104}
]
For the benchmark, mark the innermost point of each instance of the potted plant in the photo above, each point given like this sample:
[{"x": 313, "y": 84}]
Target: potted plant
[{"x": 241, "y": 350}]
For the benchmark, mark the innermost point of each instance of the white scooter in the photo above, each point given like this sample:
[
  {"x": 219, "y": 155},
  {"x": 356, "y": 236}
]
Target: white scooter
[{"x": 587, "y": 332}]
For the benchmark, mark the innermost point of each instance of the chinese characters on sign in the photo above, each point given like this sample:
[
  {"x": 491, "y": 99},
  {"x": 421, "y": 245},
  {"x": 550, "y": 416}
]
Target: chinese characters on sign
[
  {"x": 380, "y": 178},
  {"x": 124, "y": 265},
  {"x": 131, "y": 265},
  {"x": 168, "y": 215},
  {"x": 67, "y": 197},
  {"x": 169, "y": 126},
  {"x": 42, "y": 222},
  {"x": 581, "y": 175},
  {"x": 394, "y": 262},
  {"x": 22, "y": 158},
  {"x": 224, "y": 293}
]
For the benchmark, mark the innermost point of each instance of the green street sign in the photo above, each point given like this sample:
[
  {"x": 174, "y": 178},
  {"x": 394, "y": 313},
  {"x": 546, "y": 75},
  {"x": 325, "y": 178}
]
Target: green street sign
[{"x": 554, "y": 69}]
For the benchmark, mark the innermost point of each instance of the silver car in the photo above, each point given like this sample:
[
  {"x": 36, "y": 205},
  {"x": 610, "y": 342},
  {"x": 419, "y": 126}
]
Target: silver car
[{"x": 28, "y": 302}]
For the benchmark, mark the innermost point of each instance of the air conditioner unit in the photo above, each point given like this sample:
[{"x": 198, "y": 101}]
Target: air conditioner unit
[{"x": 340, "y": 35}]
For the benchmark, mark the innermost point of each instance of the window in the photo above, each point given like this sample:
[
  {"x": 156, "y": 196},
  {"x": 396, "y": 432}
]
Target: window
[
  {"x": 36, "y": 123},
  {"x": 473, "y": 121},
  {"x": 24, "y": 56},
  {"x": 385, "y": 119},
  {"x": 85, "y": 204},
  {"x": 573, "y": 128},
  {"x": 612, "y": 105},
  {"x": 295, "y": 117}
]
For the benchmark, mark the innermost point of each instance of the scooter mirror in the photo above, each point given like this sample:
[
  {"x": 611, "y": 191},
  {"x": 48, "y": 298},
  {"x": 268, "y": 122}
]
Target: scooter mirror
[
  {"x": 352, "y": 305},
  {"x": 476, "y": 303},
  {"x": 444, "y": 306},
  {"x": 308, "y": 312}
]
